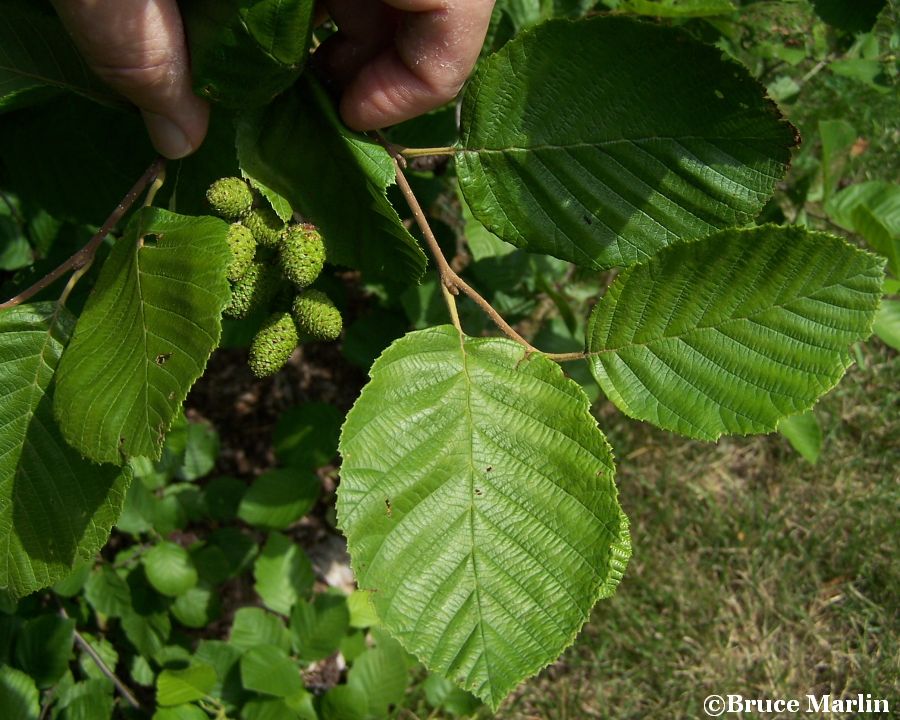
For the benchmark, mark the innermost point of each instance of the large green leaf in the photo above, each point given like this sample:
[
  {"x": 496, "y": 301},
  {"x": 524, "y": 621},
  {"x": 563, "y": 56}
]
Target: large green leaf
[
  {"x": 602, "y": 140},
  {"x": 478, "y": 501},
  {"x": 333, "y": 177},
  {"x": 732, "y": 333},
  {"x": 38, "y": 59},
  {"x": 144, "y": 337},
  {"x": 245, "y": 52},
  {"x": 72, "y": 157},
  {"x": 55, "y": 507}
]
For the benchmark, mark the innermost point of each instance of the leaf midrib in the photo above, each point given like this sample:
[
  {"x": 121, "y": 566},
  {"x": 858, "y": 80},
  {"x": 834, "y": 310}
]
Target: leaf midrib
[
  {"x": 471, "y": 511},
  {"x": 602, "y": 143}
]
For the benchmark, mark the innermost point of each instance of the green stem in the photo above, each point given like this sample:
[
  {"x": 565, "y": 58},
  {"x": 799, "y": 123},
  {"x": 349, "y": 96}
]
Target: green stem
[{"x": 425, "y": 152}]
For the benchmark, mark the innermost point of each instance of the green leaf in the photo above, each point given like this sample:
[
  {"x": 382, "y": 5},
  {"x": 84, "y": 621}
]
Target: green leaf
[
  {"x": 279, "y": 498},
  {"x": 362, "y": 610},
  {"x": 678, "y": 8},
  {"x": 603, "y": 168},
  {"x": 245, "y": 52},
  {"x": 254, "y": 626},
  {"x": 344, "y": 702},
  {"x": 479, "y": 506},
  {"x": 169, "y": 569},
  {"x": 856, "y": 16},
  {"x": 307, "y": 436},
  {"x": 88, "y": 156},
  {"x": 197, "y": 607},
  {"x": 73, "y": 583},
  {"x": 144, "y": 336},
  {"x": 267, "y": 669},
  {"x": 182, "y": 712},
  {"x": 380, "y": 674},
  {"x": 887, "y": 323},
  {"x": 335, "y": 178},
  {"x": 38, "y": 59},
  {"x": 838, "y": 137},
  {"x": 201, "y": 451},
  {"x": 107, "y": 592},
  {"x": 223, "y": 497},
  {"x": 734, "y": 332},
  {"x": 18, "y": 695},
  {"x": 90, "y": 700},
  {"x": 318, "y": 627},
  {"x": 43, "y": 648},
  {"x": 281, "y": 27},
  {"x": 107, "y": 652},
  {"x": 282, "y": 573},
  {"x": 176, "y": 687},
  {"x": 804, "y": 434},
  {"x": 224, "y": 658},
  {"x": 55, "y": 507}
]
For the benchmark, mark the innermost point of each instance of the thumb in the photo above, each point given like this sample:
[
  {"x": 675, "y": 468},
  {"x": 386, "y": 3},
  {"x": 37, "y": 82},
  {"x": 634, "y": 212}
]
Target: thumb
[{"x": 138, "y": 48}]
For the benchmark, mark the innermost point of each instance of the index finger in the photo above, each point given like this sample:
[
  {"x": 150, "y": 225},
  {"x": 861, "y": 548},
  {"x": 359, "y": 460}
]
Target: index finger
[{"x": 435, "y": 49}]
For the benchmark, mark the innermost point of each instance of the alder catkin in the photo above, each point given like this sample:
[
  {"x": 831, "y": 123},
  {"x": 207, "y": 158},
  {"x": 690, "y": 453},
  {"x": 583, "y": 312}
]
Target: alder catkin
[
  {"x": 316, "y": 316},
  {"x": 265, "y": 225},
  {"x": 302, "y": 254},
  {"x": 242, "y": 247},
  {"x": 273, "y": 345},
  {"x": 255, "y": 289},
  {"x": 230, "y": 197}
]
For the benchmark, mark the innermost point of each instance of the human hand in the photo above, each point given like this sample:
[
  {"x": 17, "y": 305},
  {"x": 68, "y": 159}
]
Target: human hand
[{"x": 395, "y": 59}]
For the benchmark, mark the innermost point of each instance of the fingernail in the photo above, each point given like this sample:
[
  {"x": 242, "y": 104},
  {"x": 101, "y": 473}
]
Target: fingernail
[{"x": 167, "y": 137}]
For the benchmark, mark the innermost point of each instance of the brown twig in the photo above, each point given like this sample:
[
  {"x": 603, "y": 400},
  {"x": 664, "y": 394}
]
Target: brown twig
[
  {"x": 86, "y": 254},
  {"x": 99, "y": 662},
  {"x": 449, "y": 278}
]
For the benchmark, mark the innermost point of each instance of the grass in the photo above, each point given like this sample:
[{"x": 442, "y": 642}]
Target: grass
[{"x": 753, "y": 571}]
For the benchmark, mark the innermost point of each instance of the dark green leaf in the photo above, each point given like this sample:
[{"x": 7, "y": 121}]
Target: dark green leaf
[
  {"x": 267, "y": 669},
  {"x": 88, "y": 156},
  {"x": 380, "y": 674},
  {"x": 55, "y": 507},
  {"x": 223, "y": 497},
  {"x": 344, "y": 702},
  {"x": 306, "y": 436},
  {"x": 197, "y": 607},
  {"x": 169, "y": 569},
  {"x": 107, "y": 592},
  {"x": 245, "y": 52},
  {"x": 144, "y": 337},
  {"x": 254, "y": 626},
  {"x": 38, "y": 59},
  {"x": 318, "y": 627},
  {"x": 176, "y": 687},
  {"x": 279, "y": 498},
  {"x": 43, "y": 648},
  {"x": 605, "y": 167},
  {"x": 335, "y": 178},
  {"x": 18, "y": 695},
  {"x": 732, "y": 333},
  {"x": 677, "y": 8},
  {"x": 482, "y": 487},
  {"x": 282, "y": 573}
]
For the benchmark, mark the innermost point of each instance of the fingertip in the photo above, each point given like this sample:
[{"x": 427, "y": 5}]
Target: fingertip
[{"x": 176, "y": 138}]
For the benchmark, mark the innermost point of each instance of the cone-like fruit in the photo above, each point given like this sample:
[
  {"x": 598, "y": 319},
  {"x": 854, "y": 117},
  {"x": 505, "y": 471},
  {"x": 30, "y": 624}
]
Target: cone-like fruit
[
  {"x": 273, "y": 345},
  {"x": 316, "y": 316},
  {"x": 230, "y": 197},
  {"x": 255, "y": 289},
  {"x": 265, "y": 225},
  {"x": 302, "y": 254},
  {"x": 243, "y": 248}
]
